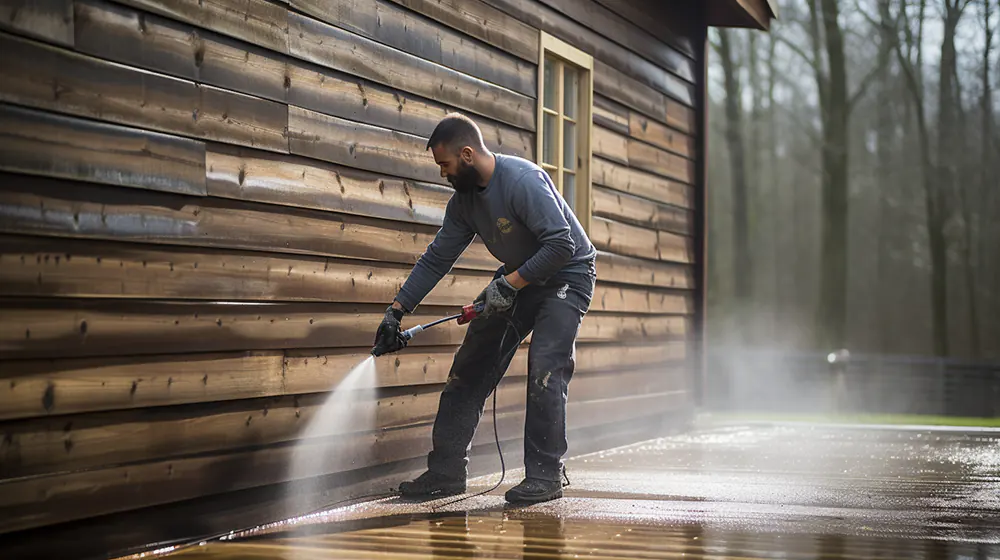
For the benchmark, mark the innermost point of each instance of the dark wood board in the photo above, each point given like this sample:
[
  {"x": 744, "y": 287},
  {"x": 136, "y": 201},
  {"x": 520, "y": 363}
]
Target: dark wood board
[
  {"x": 51, "y": 78},
  {"x": 49, "y": 20},
  {"x": 389, "y": 24},
  {"x": 640, "y": 212},
  {"x": 640, "y": 183},
  {"x": 41, "y": 143},
  {"x": 342, "y": 50}
]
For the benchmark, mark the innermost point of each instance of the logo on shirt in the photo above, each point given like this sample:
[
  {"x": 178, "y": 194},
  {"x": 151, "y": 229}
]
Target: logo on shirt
[{"x": 504, "y": 225}]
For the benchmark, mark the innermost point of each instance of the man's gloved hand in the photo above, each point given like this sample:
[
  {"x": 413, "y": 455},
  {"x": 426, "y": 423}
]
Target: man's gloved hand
[
  {"x": 497, "y": 297},
  {"x": 389, "y": 336}
]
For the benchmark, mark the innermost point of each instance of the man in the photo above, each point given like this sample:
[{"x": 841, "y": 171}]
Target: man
[{"x": 545, "y": 284}]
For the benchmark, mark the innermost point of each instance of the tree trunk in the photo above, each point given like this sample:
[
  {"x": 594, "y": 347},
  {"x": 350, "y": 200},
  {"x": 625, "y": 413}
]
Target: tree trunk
[
  {"x": 832, "y": 316},
  {"x": 884, "y": 128},
  {"x": 734, "y": 140}
]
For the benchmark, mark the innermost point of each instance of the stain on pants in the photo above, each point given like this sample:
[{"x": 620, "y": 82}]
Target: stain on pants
[{"x": 553, "y": 312}]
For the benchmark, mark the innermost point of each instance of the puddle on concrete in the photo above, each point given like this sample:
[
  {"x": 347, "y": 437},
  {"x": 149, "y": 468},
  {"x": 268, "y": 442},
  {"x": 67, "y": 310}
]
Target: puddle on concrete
[{"x": 761, "y": 492}]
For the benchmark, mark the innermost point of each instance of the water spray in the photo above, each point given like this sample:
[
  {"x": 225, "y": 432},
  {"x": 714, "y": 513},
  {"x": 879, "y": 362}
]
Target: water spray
[{"x": 469, "y": 312}]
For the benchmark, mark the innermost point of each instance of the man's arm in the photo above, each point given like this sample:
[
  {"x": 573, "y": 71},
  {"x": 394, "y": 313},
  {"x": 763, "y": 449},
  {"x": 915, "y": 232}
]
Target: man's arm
[
  {"x": 450, "y": 242},
  {"x": 541, "y": 213}
]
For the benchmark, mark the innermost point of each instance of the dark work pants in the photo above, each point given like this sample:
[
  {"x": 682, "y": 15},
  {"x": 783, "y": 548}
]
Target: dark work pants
[{"x": 554, "y": 312}]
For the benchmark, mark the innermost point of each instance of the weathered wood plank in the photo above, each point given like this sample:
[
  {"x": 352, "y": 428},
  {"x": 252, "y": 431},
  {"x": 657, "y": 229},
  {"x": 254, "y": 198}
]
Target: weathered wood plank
[
  {"x": 641, "y": 212},
  {"x": 38, "y": 501},
  {"x": 83, "y": 441},
  {"x": 342, "y": 50},
  {"x": 624, "y": 149},
  {"x": 55, "y": 387},
  {"x": 612, "y": 83},
  {"x": 291, "y": 181},
  {"x": 48, "y": 207},
  {"x": 653, "y": 159},
  {"x": 261, "y": 22},
  {"x": 542, "y": 17},
  {"x": 640, "y": 183},
  {"x": 50, "y": 20},
  {"x": 483, "y": 22},
  {"x": 124, "y": 35},
  {"x": 51, "y": 78},
  {"x": 610, "y": 145},
  {"x": 668, "y": 22},
  {"x": 410, "y": 32},
  {"x": 610, "y": 115},
  {"x": 360, "y": 145},
  {"x": 53, "y": 267},
  {"x": 33, "y": 388},
  {"x": 342, "y": 95},
  {"x": 79, "y": 328},
  {"x": 648, "y": 130},
  {"x": 611, "y": 25},
  {"x": 51, "y": 145},
  {"x": 629, "y": 270},
  {"x": 616, "y": 237},
  {"x": 74, "y": 268}
]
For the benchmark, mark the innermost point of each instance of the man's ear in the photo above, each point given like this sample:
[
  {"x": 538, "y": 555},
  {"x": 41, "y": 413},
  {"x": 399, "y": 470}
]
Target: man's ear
[{"x": 467, "y": 154}]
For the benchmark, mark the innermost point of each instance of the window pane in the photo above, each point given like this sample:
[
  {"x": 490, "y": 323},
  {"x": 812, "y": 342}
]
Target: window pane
[
  {"x": 569, "y": 145},
  {"x": 549, "y": 138},
  {"x": 550, "y": 83},
  {"x": 571, "y": 91},
  {"x": 569, "y": 190}
]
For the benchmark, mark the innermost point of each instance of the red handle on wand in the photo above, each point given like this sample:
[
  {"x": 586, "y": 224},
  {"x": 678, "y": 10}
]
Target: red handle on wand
[{"x": 470, "y": 312}]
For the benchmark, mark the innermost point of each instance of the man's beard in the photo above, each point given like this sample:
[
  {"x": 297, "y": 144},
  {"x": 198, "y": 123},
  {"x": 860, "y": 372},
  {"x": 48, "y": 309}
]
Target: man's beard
[{"x": 467, "y": 179}]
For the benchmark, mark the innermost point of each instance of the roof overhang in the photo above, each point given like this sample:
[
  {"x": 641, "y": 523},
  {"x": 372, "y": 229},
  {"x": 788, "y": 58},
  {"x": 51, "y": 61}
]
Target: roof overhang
[{"x": 753, "y": 14}]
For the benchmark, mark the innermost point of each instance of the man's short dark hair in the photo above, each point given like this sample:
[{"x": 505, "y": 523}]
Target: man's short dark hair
[{"x": 456, "y": 131}]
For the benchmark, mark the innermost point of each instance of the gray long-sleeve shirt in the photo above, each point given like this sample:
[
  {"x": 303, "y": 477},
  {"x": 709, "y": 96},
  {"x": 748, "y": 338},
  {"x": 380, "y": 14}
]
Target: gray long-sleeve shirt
[{"x": 521, "y": 218}]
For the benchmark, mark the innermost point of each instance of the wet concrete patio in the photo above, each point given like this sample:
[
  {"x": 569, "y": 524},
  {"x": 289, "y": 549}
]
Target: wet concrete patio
[{"x": 736, "y": 491}]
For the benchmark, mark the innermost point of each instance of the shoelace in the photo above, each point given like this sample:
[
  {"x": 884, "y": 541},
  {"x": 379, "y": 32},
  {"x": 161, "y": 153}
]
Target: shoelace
[{"x": 565, "y": 477}]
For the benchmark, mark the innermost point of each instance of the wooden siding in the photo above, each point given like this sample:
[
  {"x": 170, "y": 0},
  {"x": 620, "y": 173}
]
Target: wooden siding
[{"x": 206, "y": 205}]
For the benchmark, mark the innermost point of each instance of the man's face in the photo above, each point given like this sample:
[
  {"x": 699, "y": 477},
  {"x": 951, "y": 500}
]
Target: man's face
[{"x": 457, "y": 167}]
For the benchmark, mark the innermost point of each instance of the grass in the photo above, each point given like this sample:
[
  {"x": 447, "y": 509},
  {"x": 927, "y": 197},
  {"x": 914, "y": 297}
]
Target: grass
[{"x": 887, "y": 419}]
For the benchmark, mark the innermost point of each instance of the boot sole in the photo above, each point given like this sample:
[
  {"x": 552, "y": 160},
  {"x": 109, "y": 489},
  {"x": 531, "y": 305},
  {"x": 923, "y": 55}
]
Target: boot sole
[{"x": 432, "y": 493}]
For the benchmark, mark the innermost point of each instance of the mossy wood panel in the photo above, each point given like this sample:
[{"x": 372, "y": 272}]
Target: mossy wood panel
[
  {"x": 260, "y": 22},
  {"x": 342, "y": 50},
  {"x": 640, "y": 183},
  {"x": 390, "y": 24},
  {"x": 124, "y": 35},
  {"x": 640, "y": 212},
  {"x": 55, "y": 79},
  {"x": 483, "y": 22},
  {"x": 61, "y": 268},
  {"x": 55, "y": 387},
  {"x": 44, "y": 144},
  {"x": 72, "y": 496},
  {"x": 79, "y": 328},
  {"x": 86, "y": 441},
  {"x": 48, "y": 207},
  {"x": 611, "y": 25},
  {"x": 50, "y": 20}
]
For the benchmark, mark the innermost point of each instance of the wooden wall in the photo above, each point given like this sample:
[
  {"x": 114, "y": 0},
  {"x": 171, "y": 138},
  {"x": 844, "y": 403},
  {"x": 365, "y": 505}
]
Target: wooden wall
[{"x": 205, "y": 206}]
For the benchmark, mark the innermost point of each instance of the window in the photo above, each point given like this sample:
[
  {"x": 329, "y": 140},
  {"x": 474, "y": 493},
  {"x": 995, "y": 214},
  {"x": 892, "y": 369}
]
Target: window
[{"x": 565, "y": 98}]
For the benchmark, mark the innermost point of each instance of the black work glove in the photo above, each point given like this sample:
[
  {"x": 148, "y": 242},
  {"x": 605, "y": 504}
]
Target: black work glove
[
  {"x": 389, "y": 337},
  {"x": 497, "y": 297}
]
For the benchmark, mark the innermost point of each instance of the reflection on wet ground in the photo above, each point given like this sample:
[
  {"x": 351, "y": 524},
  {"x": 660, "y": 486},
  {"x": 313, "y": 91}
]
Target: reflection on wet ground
[{"x": 770, "y": 491}]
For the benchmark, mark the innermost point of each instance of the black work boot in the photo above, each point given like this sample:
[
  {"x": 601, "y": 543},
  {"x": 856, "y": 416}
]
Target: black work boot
[
  {"x": 534, "y": 490},
  {"x": 431, "y": 484}
]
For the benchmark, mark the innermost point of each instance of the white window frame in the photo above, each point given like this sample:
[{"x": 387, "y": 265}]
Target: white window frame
[{"x": 562, "y": 53}]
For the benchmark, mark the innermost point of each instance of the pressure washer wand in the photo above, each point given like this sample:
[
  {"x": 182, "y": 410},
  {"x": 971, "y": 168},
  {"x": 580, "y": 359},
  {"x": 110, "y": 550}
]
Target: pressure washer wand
[{"x": 469, "y": 312}]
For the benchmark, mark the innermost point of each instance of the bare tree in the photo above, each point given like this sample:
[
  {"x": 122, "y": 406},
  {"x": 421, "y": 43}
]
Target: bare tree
[{"x": 734, "y": 140}]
